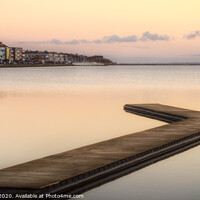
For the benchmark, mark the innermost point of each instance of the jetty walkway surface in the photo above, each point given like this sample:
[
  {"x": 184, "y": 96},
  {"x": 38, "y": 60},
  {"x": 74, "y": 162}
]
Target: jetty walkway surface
[{"x": 81, "y": 169}]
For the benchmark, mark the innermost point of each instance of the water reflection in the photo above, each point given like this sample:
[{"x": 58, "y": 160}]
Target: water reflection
[
  {"x": 176, "y": 178},
  {"x": 50, "y": 110},
  {"x": 39, "y": 125}
]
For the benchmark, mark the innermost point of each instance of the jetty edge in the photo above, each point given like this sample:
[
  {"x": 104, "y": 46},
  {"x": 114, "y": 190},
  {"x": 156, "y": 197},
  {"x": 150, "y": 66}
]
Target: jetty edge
[{"x": 79, "y": 170}]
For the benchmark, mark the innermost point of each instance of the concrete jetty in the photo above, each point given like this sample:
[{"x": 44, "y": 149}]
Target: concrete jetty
[{"x": 87, "y": 167}]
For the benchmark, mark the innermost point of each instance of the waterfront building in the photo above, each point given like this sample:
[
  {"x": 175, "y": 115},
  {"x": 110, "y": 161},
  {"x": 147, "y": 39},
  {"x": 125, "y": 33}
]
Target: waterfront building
[
  {"x": 29, "y": 57},
  {"x": 2, "y": 53},
  {"x": 24, "y": 57},
  {"x": 61, "y": 58},
  {"x": 38, "y": 59},
  {"x": 56, "y": 58},
  {"x": 50, "y": 58},
  {"x": 66, "y": 59},
  {"x": 17, "y": 54},
  {"x": 5, "y": 53},
  {"x": 10, "y": 54}
]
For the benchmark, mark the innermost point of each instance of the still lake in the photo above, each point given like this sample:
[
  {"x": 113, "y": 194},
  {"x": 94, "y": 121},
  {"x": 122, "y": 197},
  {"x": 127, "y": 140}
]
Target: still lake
[{"x": 53, "y": 109}]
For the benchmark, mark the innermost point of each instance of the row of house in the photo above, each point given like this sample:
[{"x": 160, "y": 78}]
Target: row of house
[
  {"x": 10, "y": 54},
  {"x": 44, "y": 57},
  {"x": 16, "y": 55}
]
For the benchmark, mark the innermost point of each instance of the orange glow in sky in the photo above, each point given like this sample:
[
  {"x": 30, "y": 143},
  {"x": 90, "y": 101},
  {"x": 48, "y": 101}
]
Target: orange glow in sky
[{"x": 123, "y": 30}]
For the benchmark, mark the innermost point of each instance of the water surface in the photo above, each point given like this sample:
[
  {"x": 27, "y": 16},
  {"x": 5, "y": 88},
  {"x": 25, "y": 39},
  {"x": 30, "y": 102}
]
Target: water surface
[{"x": 50, "y": 110}]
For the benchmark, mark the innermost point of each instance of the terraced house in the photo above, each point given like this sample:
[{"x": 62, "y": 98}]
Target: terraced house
[
  {"x": 16, "y": 55},
  {"x": 2, "y": 52},
  {"x": 10, "y": 54}
]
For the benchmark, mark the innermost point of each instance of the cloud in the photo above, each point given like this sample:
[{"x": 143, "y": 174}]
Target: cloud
[
  {"x": 192, "y": 35},
  {"x": 116, "y": 38},
  {"x": 33, "y": 42},
  {"x": 138, "y": 47},
  {"x": 146, "y": 36},
  {"x": 54, "y": 41},
  {"x": 153, "y": 37}
]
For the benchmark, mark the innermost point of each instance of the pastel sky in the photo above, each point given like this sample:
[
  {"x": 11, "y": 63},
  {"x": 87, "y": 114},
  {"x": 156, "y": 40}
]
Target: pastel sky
[{"x": 123, "y": 30}]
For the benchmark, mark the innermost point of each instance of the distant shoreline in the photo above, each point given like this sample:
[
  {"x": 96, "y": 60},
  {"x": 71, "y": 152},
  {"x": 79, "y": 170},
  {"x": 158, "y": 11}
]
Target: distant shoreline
[
  {"x": 158, "y": 64},
  {"x": 32, "y": 65},
  {"x": 119, "y": 64}
]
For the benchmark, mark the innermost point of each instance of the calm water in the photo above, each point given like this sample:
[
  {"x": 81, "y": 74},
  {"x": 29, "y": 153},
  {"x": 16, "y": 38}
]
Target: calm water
[{"x": 51, "y": 110}]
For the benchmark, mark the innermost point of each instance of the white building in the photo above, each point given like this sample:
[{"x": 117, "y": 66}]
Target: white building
[{"x": 2, "y": 52}]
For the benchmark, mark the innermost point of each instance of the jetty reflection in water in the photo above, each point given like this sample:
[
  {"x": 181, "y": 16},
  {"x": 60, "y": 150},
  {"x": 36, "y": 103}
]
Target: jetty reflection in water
[
  {"x": 173, "y": 178},
  {"x": 50, "y": 110}
]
